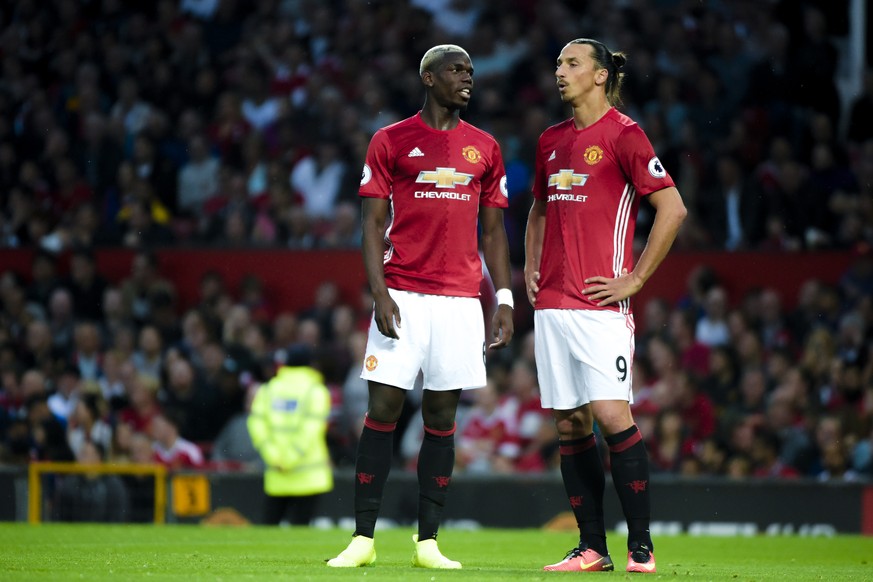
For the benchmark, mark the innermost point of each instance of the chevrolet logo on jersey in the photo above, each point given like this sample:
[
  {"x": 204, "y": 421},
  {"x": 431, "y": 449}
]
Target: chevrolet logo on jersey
[
  {"x": 444, "y": 178},
  {"x": 566, "y": 179}
]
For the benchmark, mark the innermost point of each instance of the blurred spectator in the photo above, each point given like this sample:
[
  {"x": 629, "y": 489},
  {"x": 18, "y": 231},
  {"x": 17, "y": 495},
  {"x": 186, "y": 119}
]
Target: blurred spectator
[
  {"x": 142, "y": 286},
  {"x": 86, "y": 424},
  {"x": 712, "y": 329},
  {"x": 169, "y": 448},
  {"x": 40, "y": 355},
  {"x": 733, "y": 209},
  {"x": 259, "y": 108},
  {"x": 115, "y": 316},
  {"x": 229, "y": 128},
  {"x": 536, "y": 432},
  {"x": 695, "y": 408},
  {"x": 721, "y": 383},
  {"x": 836, "y": 464},
  {"x": 198, "y": 178},
  {"x": 44, "y": 277},
  {"x": 70, "y": 192},
  {"x": 487, "y": 441},
  {"x": 753, "y": 391},
  {"x": 86, "y": 354},
  {"x": 130, "y": 110},
  {"x": 765, "y": 457},
  {"x": 253, "y": 296},
  {"x": 784, "y": 417},
  {"x": 693, "y": 353},
  {"x": 142, "y": 403},
  {"x": 61, "y": 320},
  {"x": 148, "y": 358},
  {"x": 112, "y": 383},
  {"x": 42, "y": 437},
  {"x": 154, "y": 178},
  {"x": 141, "y": 231},
  {"x": 669, "y": 443},
  {"x": 317, "y": 179},
  {"x": 196, "y": 405},
  {"x": 86, "y": 285},
  {"x": 321, "y": 311},
  {"x": 66, "y": 396}
]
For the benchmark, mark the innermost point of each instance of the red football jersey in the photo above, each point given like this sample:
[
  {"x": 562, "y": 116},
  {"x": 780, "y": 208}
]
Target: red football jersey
[
  {"x": 436, "y": 181},
  {"x": 591, "y": 180}
]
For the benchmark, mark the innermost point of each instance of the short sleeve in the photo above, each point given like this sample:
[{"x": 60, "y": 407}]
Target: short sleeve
[
  {"x": 640, "y": 164},
  {"x": 376, "y": 177},
  {"x": 494, "y": 191}
]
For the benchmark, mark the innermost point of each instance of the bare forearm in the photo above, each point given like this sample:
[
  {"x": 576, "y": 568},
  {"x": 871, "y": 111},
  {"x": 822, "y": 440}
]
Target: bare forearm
[
  {"x": 372, "y": 250},
  {"x": 669, "y": 215},
  {"x": 495, "y": 249},
  {"x": 533, "y": 237}
]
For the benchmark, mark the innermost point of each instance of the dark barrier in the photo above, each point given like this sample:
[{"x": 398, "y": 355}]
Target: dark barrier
[
  {"x": 715, "y": 506},
  {"x": 700, "y": 506}
]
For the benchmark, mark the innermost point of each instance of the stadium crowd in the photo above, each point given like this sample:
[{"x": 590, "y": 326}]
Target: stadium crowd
[{"x": 219, "y": 123}]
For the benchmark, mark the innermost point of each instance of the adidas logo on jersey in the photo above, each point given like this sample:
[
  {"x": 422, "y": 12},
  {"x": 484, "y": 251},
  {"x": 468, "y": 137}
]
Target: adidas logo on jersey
[
  {"x": 551, "y": 157},
  {"x": 416, "y": 153}
]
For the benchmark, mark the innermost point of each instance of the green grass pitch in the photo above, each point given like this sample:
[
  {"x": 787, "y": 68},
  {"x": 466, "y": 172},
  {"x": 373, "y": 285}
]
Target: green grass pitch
[{"x": 190, "y": 552}]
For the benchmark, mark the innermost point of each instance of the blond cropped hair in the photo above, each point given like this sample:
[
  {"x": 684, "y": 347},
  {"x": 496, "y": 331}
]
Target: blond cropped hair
[{"x": 436, "y": 54}]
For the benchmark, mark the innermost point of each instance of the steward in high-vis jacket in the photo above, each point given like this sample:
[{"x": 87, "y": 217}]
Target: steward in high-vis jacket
[{"x": 288, "y": 426}]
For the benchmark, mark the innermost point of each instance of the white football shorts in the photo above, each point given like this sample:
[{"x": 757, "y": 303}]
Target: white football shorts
[
  {"x": 583, "y": 355},
  {"x": 441, "y": 337}
]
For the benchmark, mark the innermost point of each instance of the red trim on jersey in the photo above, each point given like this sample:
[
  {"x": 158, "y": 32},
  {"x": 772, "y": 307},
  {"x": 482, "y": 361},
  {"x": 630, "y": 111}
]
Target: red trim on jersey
[
  {"x": 441, "y": 433},
  {"x": 627, "y": 443},
  {"x": 379, "y": 426}
]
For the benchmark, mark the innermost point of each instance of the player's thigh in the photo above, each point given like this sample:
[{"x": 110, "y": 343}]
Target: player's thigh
[
  {"x": 397, "y": 362},
  {"x": 456, "y": 353},
  {"x": 561, "y": 376},
  {"x": 603, "y": 341}
]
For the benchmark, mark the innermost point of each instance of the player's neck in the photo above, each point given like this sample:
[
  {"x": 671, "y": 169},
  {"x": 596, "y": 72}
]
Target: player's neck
[
  {"x": 440, "y": 118},
  {"x": 588, "y": 113}
]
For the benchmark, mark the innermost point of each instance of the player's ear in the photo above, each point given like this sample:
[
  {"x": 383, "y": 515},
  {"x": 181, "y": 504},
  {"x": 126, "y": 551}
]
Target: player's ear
[
  {"x": 600, "y": 76},
  {"x": 427, "y": 79}
]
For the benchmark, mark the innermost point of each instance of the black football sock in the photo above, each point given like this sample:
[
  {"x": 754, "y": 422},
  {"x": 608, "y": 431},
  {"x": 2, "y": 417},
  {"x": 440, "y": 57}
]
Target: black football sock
[
  {"x": 373, "y": 463},
  {"x": 436, "y": 460},
  {"x": 585, "y": 482},
  {"x": 630, "y": 474}
]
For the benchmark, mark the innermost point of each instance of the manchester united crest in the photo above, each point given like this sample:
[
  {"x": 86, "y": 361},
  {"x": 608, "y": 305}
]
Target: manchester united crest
[
  {"x": 471, "y": 154},
  {"x": 592, "y": 155},
  {"x": 371, "y": 362}
]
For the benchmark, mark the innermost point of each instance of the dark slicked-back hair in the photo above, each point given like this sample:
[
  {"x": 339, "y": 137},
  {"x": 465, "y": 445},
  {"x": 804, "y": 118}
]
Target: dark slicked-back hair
[{"x": 613, "y": 62}]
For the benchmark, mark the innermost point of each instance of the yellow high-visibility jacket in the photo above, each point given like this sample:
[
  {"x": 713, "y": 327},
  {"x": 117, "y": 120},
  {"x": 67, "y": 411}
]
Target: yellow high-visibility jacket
[{"x": 288, "y": 426}]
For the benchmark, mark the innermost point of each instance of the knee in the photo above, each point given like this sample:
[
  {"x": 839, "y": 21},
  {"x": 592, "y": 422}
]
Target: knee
[
  {"x": 573, "y": 425},
  {"x": 441, "y": 420},
  {"x": 384, "y": 410},
  {"x": 614, "y": 419},
  {"x": 438, "y": 409}
]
